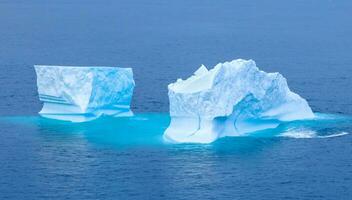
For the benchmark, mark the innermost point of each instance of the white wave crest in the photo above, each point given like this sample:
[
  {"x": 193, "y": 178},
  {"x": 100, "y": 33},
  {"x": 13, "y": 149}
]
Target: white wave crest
[
  {"x": 299, "y": 134},
  {"x": 309, "y": 134},
  {"x": 334, "y": 135}
]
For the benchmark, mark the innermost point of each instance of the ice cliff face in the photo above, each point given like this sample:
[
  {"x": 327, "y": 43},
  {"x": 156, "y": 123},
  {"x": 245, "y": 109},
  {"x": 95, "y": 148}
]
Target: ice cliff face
[
  {"x": 232, "y": 99},
  {"x": 84, "y": 93}
]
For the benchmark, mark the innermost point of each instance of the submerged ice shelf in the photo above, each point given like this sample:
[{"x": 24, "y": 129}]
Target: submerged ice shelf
[
  {"x": 233, "y": 98},
  {"x": 148, "y": 128},
  {"x": 80, "y": 94}
]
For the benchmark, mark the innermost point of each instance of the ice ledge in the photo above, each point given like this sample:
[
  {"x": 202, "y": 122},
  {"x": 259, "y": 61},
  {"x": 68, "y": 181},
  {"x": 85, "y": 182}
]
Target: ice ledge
[{"x": 81, "y": 94}]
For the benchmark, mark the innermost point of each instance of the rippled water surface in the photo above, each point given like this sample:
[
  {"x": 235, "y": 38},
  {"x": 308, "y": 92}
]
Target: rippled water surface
[{"x": 309, "y": 42}]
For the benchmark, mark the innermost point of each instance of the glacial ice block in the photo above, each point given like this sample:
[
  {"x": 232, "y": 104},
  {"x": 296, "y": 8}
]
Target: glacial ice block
[
  {"x": 80, "y": 94},
  {"x": 232, "y": 99}
]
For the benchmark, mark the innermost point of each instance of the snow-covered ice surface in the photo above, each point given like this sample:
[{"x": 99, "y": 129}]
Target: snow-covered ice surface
[
  {"x": 232, "y": 99},
  {"x": 80, "y": 94}
]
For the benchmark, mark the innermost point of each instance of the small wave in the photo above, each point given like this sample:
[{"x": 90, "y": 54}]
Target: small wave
[
  {"x": 310, "y": 134},
  {"x": 299, "y": 134},
  {"x": 334, "y": 135}
]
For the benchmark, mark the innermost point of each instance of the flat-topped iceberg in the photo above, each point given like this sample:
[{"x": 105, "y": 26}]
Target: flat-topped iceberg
[
  {"x": 84, "y": 93},
  {"x": 232, "y": 99}
]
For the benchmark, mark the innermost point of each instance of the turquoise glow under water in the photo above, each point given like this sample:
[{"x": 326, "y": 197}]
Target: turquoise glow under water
[
  {"x": 148, "y": 128},
  {"x": 126, "y": 158}
]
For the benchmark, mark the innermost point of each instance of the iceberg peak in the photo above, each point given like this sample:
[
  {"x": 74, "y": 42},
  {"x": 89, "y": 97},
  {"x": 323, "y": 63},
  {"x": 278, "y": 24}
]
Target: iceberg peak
[
  {"x": 233, "y": 98},
  {"x": 201, "y": 70}
]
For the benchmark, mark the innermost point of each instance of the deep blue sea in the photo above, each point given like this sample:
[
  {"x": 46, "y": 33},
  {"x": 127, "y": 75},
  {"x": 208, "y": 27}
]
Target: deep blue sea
[{"x": 308, "y": 41}]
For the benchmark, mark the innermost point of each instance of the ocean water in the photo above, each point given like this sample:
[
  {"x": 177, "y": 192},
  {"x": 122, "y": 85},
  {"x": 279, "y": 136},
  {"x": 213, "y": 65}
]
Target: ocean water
[{"x": 309, "y": 42}]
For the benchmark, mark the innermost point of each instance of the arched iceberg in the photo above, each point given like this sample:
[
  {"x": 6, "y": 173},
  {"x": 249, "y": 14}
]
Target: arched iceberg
[
  {"x": 84, "y": 93},
  {"x": 233, "y": 98}
]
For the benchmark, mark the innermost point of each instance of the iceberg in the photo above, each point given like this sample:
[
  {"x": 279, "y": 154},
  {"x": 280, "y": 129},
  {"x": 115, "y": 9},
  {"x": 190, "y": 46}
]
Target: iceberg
[
  {"x": 81, "y": 94},
  {"x": 232, "y": 99}
]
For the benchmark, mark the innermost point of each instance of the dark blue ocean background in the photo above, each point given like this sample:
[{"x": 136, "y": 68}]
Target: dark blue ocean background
[{"x": 308, "y": 41}]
